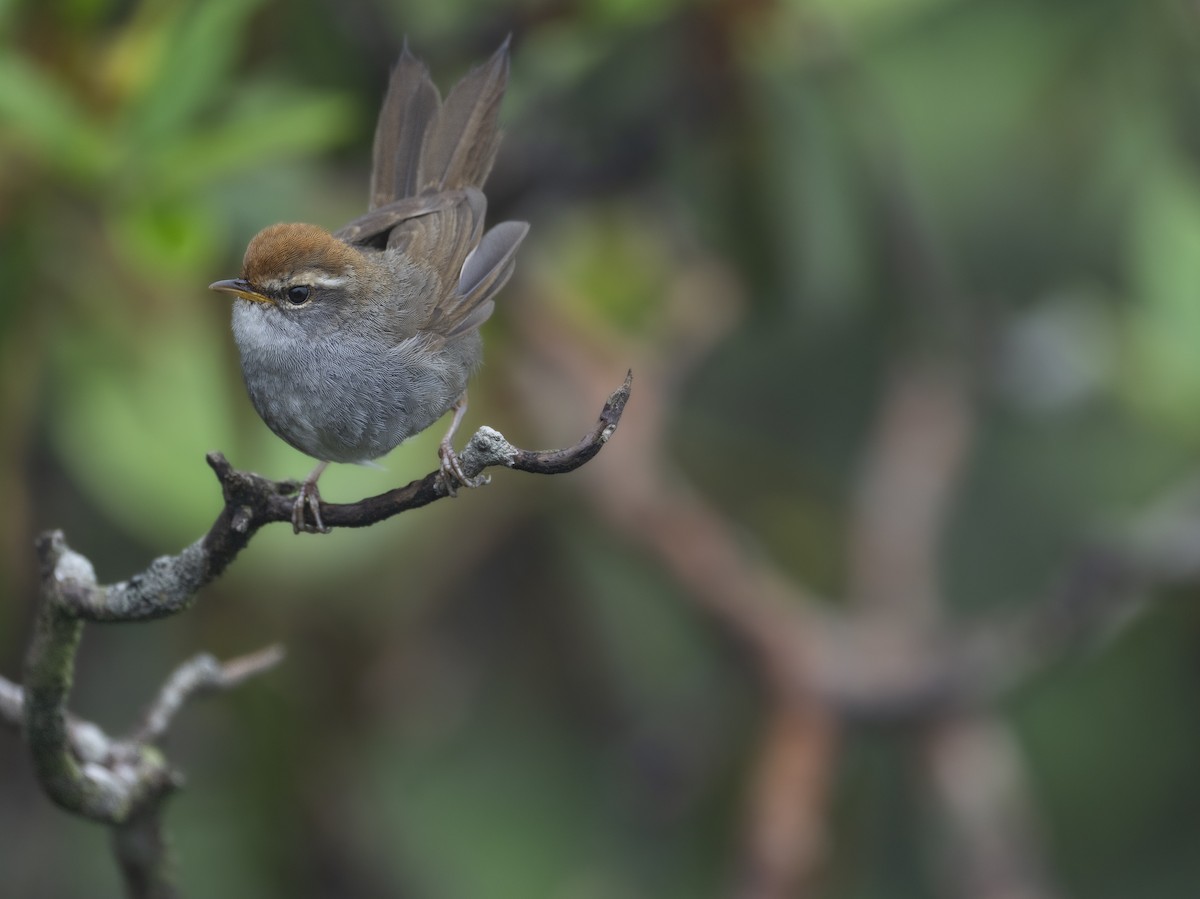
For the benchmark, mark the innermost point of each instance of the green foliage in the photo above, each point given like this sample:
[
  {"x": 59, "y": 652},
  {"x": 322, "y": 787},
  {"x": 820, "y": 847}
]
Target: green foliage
[
  {"x": 1164, "y": 259},
  {"x": 43, "y": 122},
  {"x": 159, "y": 117}
]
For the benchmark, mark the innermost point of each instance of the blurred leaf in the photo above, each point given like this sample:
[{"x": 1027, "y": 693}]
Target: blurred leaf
[
  {"x": 815, "y": 197},
  {"x": 6, "y": 15},
  {"x": 617, "y": 264},
  {"x": 44, "y": 121},
  {"x": 629, "y": 13},
  {"x": 557, "y": 55},
  {"x": 264, "y": 124},
  {"x": 164, "y": 238},
  {"x": 958, "y": 97},
  {"x": 1163, "y": 373},
  {"x": 659, "y": 651},
  {"x": 519, "y": 798},
  {"x": 194, "y": 59},
  {"x": 136, "y": 433},
  {"x": 865, "y": 15},
  {"x": 1123, "y": 719}
]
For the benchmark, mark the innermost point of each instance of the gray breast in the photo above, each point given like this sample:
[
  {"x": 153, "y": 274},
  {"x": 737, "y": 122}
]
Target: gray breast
[{"x": 343, "y": 397}]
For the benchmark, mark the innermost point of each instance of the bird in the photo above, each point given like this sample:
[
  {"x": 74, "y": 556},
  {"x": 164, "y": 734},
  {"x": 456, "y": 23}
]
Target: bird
[{"x": 352, "y": 341}]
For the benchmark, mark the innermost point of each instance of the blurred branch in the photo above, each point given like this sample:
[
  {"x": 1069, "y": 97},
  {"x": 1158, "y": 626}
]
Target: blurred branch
[
  {"x": 143, "y": 855},
  {"x": 870, "y": 676},
  {"x": 894, "y": 655},
  {"x": 12, "y": 700},
  {"x": 774, "y": 618},
  {"x": 784, "y": 841},
  {"x": 80, "y": 768},
  {"x": 124, "y": 782},
  {"x": 199, "y": 677},
  {"x": 907, "y": 482},
  {"x": 119, "y": 782},
  {"x": 991, "y": 832},
  {"x": 906, "y": 662}
]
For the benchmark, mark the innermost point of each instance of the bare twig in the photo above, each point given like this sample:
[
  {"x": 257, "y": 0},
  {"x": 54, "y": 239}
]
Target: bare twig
[{"x": 198, "y": 677}]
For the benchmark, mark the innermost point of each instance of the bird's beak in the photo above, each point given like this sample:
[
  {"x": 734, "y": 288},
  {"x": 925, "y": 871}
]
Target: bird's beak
[{"x": 243, "y": 289}]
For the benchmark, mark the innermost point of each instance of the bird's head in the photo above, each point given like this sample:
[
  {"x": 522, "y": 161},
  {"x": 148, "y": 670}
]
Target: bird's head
[{"x": 294, "y": 267}]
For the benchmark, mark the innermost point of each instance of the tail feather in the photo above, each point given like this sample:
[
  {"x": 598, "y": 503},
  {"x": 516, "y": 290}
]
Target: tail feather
[
  {"x": 423, "y": 143},
  {"x": 412, "y": 102},
  {"x": 461, "y": 141},
  {"x": 431, "y": 158}
]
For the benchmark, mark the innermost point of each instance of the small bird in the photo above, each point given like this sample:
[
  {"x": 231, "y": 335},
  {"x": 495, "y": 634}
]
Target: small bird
[{"x": 352, "y": 342}]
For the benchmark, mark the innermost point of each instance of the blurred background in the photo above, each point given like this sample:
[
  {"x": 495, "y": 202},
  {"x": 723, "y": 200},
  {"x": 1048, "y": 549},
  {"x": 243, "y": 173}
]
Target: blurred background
[{"x": 851, "y": 606}]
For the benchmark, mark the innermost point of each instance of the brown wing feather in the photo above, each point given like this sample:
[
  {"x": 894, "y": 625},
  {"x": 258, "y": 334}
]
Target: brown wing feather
[
  {"x": 372, "y": 228},
  {"x": 427, "y": 207},
  {"x": 485, "y": 270}
]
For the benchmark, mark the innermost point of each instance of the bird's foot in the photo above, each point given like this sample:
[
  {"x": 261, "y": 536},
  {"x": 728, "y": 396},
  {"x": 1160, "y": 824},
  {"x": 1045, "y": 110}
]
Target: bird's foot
[
  {"x": 308, "y": 500},
  {"x": 453, "y": 475}
]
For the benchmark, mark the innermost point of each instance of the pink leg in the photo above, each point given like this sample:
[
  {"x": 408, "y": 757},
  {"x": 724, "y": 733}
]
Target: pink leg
[
  {"x": 452, "y": 472},
  {"x": 309, "y": 500}
]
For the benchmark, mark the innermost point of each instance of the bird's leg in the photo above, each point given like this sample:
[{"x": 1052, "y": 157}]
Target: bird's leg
[
  {"x": 452, "y": 470},
  {"x": 309, "y": 499}
]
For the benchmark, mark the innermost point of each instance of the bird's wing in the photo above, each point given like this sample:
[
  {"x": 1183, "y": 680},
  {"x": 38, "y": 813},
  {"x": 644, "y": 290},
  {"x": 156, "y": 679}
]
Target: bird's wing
[
  {"x": 457, "y": 267},
  {"x": 373, "y": 228},
  {"x": 431, "y": 158}
]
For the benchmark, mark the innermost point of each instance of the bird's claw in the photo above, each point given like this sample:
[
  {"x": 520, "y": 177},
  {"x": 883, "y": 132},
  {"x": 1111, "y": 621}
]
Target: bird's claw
[
  {"x": 308, "y": 500},
  {"x": 453, "y": 475}
]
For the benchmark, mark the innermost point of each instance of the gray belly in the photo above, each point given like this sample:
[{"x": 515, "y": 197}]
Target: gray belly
[{"x": 343, "y": 399}]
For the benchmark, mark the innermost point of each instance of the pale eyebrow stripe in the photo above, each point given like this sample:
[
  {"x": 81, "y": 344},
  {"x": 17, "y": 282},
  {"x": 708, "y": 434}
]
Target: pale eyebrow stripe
[{"x": 321, "y": 280}]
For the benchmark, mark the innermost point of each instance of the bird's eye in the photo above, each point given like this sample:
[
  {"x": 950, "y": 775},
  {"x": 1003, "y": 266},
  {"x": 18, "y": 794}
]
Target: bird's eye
[{"x": 298, "y": 294}]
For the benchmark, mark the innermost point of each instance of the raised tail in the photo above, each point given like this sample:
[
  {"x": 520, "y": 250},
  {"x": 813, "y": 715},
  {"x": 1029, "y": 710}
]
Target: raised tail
[{"x": 424, "y": 144}]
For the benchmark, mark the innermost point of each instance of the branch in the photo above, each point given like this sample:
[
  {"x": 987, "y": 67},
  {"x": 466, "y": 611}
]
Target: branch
[
  {"x": 252, "y": 501},
  {"x": 200, "y": 676},
  {"x": 81, "y": 768},
  {"x": 170, "y": 583},
  {"x": 784, "y": 837},
  {"x": 123, "y": 782},
  {"x": 146, "y": 861}
]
